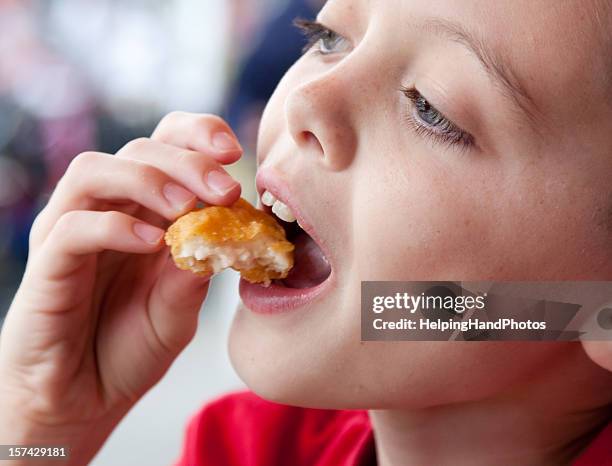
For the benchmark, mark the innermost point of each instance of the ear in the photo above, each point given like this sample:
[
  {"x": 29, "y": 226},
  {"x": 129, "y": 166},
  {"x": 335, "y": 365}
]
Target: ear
[{"x": 600, "y": 352}]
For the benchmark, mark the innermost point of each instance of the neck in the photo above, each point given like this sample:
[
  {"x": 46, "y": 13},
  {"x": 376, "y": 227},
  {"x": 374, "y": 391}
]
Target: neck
[{"x": 548, "y": 420}]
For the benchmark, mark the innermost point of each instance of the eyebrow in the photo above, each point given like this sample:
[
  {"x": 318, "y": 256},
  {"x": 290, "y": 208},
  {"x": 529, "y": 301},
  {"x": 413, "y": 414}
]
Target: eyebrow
[{"x": 494, "y": 65}]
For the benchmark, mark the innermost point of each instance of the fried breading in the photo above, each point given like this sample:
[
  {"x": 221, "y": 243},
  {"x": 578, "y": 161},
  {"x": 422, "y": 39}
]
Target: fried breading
[{"x": 209, "y": 240}]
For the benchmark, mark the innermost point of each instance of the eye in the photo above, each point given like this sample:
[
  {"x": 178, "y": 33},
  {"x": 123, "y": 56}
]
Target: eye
[
  {"x": 428, "y": 121},
  {"x": 427, "y": 112},
  {"x": 325, "y": 40}
]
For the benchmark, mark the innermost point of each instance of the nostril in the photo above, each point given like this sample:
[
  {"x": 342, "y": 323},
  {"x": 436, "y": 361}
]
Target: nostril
[{"x": 311, "y": 140}]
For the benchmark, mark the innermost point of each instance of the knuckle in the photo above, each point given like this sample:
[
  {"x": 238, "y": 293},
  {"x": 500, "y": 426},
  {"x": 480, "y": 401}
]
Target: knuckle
[
  {"x": 145, "y": 174},
  {"x": 83, "y": 162},
  {"x": 35, "y": 230},
  {"x": 67, "y": 222},
  {"x": 79, "y": 172},
  {"x": 194, "y": 161},
  {"x": 108, "y": 222},
  {"x": 208, "y": 121},
  {"x": 185, "y": 158},
  {"x": 135, "y": 146},
  {"x": 38, "y": 219},
  {"x": 168, "y": 123},
  {"x": 171, "y": 118}
]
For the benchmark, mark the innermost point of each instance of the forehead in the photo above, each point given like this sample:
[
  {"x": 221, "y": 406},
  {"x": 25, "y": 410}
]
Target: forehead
[
  {"x": 557, "y": 49},
  {"x": 569, "y": 19},
  {"x": 553, "y": 48}
]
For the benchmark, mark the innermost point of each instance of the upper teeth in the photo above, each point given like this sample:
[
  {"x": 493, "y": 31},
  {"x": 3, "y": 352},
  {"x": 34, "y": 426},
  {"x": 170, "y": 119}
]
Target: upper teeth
[{"x": 281, "y": 209}]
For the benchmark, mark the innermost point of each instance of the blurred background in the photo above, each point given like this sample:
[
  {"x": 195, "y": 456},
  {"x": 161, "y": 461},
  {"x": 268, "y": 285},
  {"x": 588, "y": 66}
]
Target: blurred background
[{"x": 78, "y": 75}]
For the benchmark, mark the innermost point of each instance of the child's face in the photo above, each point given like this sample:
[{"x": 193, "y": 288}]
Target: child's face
[{"x": 495, "y": 163}]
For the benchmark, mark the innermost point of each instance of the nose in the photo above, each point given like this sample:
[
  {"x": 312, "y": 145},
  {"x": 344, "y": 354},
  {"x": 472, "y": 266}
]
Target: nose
[{"x": 319, "y": 119}]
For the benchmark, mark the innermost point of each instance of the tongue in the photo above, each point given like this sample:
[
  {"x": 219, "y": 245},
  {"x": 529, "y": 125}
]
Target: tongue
[{"x": 311, "y": 267}]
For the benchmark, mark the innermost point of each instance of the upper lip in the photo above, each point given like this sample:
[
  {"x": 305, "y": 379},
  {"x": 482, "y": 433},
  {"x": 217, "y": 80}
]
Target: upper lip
[{"x": 271, "y": 181}]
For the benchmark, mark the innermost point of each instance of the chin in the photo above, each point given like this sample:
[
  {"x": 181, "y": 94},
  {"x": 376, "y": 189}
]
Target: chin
[
  {"x": 281, "y": 363},
  {"x": 255, "y": 354},
  {"x": 267, "y": 373}
]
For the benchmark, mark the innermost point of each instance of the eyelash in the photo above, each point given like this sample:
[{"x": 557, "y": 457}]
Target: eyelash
[
  {"x": 442, "y": 131},
  {"x": 314, "y": 32}
]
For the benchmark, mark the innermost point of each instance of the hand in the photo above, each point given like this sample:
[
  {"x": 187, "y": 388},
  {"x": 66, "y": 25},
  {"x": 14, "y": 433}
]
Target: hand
[{"x": 102, "y": 311}]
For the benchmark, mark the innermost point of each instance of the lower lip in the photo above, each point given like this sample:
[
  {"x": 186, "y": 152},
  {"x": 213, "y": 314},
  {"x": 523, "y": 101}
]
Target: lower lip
[{"x": 275, "y": 299}]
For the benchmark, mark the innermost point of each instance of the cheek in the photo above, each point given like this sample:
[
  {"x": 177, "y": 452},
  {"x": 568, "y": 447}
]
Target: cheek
[
  {"x": 270, "y": 125},
  {"x": 273, "y": 120},
  {"x": 436, "y": 223},
  {"x": 421, "y": 227}
]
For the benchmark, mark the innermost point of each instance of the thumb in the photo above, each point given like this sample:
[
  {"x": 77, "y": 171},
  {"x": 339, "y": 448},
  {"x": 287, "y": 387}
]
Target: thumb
[{"x": 174, "y": 305}]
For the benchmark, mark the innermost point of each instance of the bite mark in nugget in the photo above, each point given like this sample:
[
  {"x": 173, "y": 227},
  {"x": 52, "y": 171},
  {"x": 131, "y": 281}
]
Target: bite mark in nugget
[{"x": 209, "y": 240}]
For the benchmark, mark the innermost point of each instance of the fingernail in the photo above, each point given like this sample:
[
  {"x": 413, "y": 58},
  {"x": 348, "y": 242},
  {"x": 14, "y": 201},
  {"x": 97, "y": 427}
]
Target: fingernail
[
  {"x": 177, "y": 196},
  {"x": 148, "y": 233},
  {"x": 224, "y": 142},
  {"x": 220, "y": 182}
]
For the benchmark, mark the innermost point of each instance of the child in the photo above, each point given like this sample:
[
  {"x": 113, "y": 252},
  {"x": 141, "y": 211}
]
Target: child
[{"x": 414, "y": 140}]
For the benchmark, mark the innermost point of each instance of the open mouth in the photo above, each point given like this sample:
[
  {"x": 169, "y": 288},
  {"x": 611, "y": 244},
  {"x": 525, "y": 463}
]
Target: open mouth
[{"x": 311, "y": 267}]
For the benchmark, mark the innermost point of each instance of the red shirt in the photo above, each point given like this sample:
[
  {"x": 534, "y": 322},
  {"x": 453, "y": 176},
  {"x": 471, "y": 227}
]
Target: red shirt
[{"x": 243, "y": 429}]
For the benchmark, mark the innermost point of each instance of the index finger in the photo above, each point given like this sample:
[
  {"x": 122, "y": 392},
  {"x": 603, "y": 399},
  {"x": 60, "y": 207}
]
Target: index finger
[{"x": 205, "y": 133}]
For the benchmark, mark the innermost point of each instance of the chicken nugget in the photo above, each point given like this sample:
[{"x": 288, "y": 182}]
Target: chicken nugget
[{"x": 209, "y": 240}]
